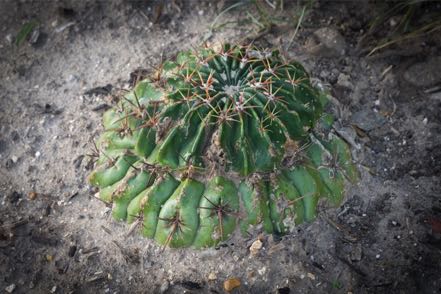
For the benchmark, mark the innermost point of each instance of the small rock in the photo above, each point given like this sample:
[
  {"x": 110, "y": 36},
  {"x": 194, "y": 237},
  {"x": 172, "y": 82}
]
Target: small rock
[
  {"x": 37, "y": 154},
  {"x": 326, "y": 42},
  {"x": 393, "y": 22},
  {"x": 231, "y": 283},
  {"x": 9, "y": 38},
  {"x": 164, "y": 287},
  {"x": 367, "y": 120},
  {"x": 14, "y": 158},
  {"x": 424, "y": 74},
  {"x": 255, "y": 247},
  {"x": 311, "y": 276},
  {"x": 54, "y": 289},
  {"x": 377, "y": 256},
  {"x": 212, "y": 276},
  {"x": 32, "y": 195},
  {"x": 262, "y": 271},
  {"x": 324, "y": 74},
  {"x": 344, "y": 81},
  {"x": 33, "y": 39},
  {"x": 10, "y": 288}
]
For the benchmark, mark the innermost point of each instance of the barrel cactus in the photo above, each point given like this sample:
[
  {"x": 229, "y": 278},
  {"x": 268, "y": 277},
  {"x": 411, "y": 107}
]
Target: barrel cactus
[{"x": 220, "y": 141}]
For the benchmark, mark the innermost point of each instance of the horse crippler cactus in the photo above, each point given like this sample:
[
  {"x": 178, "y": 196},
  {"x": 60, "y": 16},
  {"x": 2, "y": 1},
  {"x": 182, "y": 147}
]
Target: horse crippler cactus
[{"x": 217, "y": 142}]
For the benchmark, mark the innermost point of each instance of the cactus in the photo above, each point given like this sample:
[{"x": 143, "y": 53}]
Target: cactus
[{"x": 217, "y": 142}]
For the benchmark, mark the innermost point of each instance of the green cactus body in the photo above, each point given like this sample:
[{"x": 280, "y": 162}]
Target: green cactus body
[
  {"x": 155, "y": 197},
  {"x": 219, "y": 141},
  {"x": 219, "y": 207},
  {"x": 179, "y": 218}
]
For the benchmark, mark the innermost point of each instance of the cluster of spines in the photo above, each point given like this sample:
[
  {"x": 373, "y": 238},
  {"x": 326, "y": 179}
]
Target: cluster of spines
[{"x": 249, "y": 105}]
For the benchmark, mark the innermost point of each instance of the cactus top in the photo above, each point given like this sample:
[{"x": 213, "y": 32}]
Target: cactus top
[
  {"x": 216, "y": 138},
  {"x": 249, "y": 103}
]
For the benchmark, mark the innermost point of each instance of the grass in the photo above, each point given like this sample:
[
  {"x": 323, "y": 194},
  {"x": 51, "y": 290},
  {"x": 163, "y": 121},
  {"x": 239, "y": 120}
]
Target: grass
[
  {"x": 25, "y": 31},
  {"x": 261, "y": 16},
  {"x": 413, "y": 19}
]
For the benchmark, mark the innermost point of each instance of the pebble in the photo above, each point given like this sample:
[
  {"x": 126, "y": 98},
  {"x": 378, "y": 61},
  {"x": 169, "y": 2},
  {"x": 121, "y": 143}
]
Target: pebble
[
  {"x": 32, "y": 195},
  {"x": 164, "y": 287},
  {"x": 262, "y": 271},
  {"x": 424, "y": 74},
  {"x": 212, "y": 276},
  {"x": 9, "y": 38},
  {"x": 326, "y": 42},
  {"x": 231, "y": 283},
  {"x": 10, "y": 288},
  {"x": 14, "y": 158},
  {"x": 377, "y": 256},
  {"x": 311, "y": 276},
  {"x": 344, "y": 81},
  {"x": 368, "y": 120},
  {"x": 37, "y": 154},
  {"x": 255, "y": 247},
  {"x": 33, "y": 39}
]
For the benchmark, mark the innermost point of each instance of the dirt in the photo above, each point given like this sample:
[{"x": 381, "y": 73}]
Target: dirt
[{"x": 56, "y": 237}]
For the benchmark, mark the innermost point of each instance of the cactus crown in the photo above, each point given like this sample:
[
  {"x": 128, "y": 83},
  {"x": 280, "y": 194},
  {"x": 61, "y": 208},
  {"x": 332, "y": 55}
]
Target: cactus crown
[{"x": 216, "y": 139}]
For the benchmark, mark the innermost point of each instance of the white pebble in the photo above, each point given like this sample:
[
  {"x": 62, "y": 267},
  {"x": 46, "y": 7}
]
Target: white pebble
[
  {"x": 37, "y": 154},
  {"x": 10, "y": 288},
  {"x": 262, "y": 271}
]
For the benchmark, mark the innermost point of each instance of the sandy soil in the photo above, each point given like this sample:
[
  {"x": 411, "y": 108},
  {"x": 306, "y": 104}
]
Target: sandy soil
[{"x": 55, "y": 237}]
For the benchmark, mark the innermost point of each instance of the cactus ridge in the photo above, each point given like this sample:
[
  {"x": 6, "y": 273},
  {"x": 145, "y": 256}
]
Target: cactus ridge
[{"x": 217, "y": 140}]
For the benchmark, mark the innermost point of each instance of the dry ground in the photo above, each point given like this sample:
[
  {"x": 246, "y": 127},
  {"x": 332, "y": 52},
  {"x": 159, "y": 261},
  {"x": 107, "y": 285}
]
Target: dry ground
[{"x": 55, "y": 237}]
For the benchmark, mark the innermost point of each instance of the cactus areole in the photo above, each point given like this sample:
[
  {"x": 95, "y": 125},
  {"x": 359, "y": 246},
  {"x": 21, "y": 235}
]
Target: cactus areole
[{"x": 218, "y": 142}]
